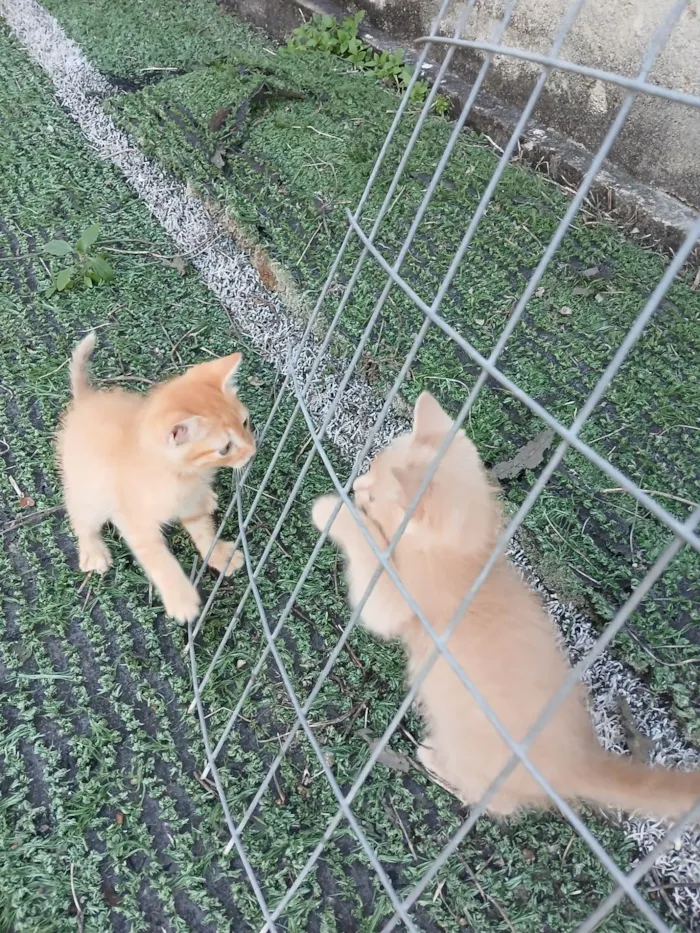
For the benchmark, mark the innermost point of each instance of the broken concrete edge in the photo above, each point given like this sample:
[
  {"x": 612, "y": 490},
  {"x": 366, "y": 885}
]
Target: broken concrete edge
[{"x": 651, "y": 217}]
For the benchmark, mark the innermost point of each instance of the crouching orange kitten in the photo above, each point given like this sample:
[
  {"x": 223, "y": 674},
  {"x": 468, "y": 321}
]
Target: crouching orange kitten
[
  {"x": 505, "y": 642},
  {"x": 144, "y": 461}
]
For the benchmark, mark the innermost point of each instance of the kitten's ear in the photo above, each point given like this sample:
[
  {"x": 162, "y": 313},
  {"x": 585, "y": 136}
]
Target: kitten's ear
[
  {"x": 190, "y": 429},
  {"x": 403, "y": 477},
  {"x": 429, "y": 419},
  {"x": 229, "y": 366},
  {"x": 409, "y": 479}
]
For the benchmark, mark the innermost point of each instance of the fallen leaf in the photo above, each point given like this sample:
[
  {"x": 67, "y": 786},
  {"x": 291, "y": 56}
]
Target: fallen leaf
[
  {"x": 218, "y": 158},
  {"x": 397, "y": 761},
  {"x": 590, "y": 273},
  {"x": 255, "y": 381},
  {"x": 263, "y": 92},
  {"x": 26, "y": 502},
  {"x": 539, "y": 292},
  {"x": 110, "y": 895},
  {"x": 566, "y": 311},
  {"x": 527, "y": 458},
  {"x": 640, "y": 746},
  {"x": 262, "y": 263},
  {"x": 219, "y": 118},
  {"x": 178, "y": 263},
  {"x": 479, "y": 321},
  {"x": 582, "y": 290},
  {"x": 120, "y": 819}
]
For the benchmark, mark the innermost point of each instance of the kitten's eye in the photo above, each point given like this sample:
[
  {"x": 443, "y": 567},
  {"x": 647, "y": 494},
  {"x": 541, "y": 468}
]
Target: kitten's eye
[{"x": 226, "y": 449}]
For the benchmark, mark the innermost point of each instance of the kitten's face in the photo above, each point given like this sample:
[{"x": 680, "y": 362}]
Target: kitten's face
[
  {"x": 227, "y": 441},
  {"x": 394, "y": 478},
  {"x": 208, "y": 426},
  {"x": 378, "y": 493}
]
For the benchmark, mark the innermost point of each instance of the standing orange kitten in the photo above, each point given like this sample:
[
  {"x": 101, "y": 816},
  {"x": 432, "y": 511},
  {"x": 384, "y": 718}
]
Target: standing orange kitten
[
  {"x": 505, "y": 642},
  {"x": 144, "y": 461}
]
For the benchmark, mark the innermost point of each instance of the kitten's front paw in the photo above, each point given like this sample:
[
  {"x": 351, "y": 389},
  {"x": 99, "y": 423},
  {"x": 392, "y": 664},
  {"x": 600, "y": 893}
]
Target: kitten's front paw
[
  {"x": 322, "y": 510},
  {"x": 211, "y": 502},
  {"x": 182, "y": 601},
  {"x": 220, "y": 558},
  {"x": 95, "y": 557}
]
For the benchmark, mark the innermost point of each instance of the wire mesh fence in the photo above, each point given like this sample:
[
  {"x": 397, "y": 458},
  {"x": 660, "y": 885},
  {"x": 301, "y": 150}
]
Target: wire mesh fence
[{"x": 327, "y": 387}]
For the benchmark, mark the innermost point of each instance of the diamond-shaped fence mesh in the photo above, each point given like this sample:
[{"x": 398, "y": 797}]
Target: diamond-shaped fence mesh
[{"x": 332, "y": 400}]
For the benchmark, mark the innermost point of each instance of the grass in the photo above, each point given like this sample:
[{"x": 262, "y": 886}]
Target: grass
[
  {"x": 97, "y": 753},
  {"x": 287, "y": 178}
]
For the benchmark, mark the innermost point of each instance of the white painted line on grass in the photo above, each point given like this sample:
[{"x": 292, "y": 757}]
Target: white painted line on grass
[{"x": 259, "y": 314}]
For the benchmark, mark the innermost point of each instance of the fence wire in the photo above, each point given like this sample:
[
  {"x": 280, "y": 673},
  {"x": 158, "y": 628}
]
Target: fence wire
[{"x": 299, "y": 383}]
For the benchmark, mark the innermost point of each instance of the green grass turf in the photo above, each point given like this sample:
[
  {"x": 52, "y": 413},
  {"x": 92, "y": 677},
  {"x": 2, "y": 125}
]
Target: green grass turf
[
  {"x": 294, "y": 169},
  {"x": 97, "y": 753}
]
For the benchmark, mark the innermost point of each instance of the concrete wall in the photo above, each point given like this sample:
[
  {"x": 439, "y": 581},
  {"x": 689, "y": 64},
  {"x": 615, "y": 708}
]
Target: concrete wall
[{"x": 660, "y": 143}]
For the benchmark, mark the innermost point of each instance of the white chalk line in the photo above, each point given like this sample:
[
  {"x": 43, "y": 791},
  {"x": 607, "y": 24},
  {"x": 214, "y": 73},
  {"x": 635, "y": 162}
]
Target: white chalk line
[{"x": 229, "y": 275}]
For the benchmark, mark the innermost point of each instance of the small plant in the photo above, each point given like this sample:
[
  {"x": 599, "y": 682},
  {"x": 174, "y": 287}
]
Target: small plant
[
  {"x": 86, "y": 267},
  {"x": 323, "y": 33},
  {"x": 442, "y": 105}
]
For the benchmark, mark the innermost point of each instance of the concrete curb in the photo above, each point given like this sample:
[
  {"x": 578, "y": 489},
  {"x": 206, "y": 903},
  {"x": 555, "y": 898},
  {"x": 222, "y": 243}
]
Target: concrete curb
[{"x": 650, "y": 216}]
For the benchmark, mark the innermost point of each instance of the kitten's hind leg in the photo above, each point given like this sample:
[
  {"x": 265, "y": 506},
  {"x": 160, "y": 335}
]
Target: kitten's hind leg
[
  {"x": 430, "y": 760},
  {"x": 502, "y": 804},
  {"x": 201, "y": 529}
]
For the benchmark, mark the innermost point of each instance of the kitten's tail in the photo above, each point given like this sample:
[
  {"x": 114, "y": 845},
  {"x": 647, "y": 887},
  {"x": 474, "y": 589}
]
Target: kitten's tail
[
  {"x": 80, "y": 384},
  {"x": 623, "y": 782}
]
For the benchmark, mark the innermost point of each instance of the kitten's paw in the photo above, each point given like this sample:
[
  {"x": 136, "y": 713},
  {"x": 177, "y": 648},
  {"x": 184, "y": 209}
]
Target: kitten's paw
[
  {"x": 95, "y": 557},
  {"x": 322, "y": 510},
  {"x": 182, "y": 601},
  {"x": 210, "y": 502},
  {"x": 220, "y": 558},
  {"x": 426, "y": 756}
]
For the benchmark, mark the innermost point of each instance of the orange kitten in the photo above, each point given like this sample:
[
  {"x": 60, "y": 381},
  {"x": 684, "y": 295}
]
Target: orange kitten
[
  {"x": 144, "y": 461},
  {"x": 505, "y": 642}
]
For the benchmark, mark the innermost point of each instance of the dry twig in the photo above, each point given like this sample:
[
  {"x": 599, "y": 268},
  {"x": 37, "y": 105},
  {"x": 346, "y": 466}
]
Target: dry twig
[
  {"x": 78, "y": 907},
  {"x": 30, "y": 517}
]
